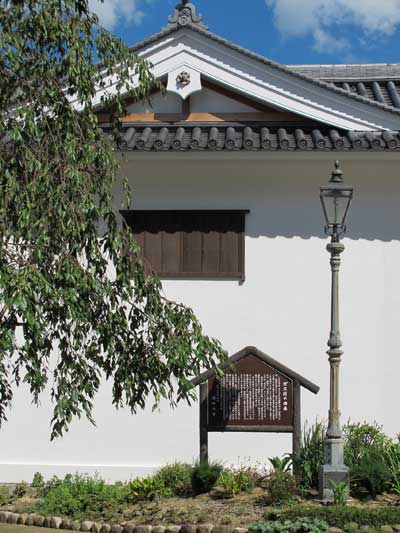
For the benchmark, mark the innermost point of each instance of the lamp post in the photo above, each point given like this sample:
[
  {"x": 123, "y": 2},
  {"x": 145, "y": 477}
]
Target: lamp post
[{"x": 336, "y": 198}]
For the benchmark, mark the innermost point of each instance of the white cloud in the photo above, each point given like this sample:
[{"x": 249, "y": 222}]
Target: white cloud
[
  {"x": 113, "y": 12},
  {"x": 316, "y": 17}
]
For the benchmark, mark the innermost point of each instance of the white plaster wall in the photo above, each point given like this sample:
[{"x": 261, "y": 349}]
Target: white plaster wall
[
  {"x": 282, "y": 308},
  {"x": 160, "y": 103}
]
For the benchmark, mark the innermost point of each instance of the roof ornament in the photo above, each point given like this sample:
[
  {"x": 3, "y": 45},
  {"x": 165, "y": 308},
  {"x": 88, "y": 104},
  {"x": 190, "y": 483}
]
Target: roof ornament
[{"x": 185, "y": 15}]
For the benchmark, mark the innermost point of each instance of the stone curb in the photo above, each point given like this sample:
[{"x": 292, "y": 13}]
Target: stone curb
[{"x": 87, "y": 526}]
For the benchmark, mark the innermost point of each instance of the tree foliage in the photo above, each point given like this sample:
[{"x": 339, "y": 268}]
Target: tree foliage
[{"x": 76, "y": 304}]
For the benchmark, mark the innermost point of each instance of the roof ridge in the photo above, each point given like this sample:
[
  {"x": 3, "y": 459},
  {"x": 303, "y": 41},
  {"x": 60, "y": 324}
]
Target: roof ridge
[{"x": 342, "y": 64}]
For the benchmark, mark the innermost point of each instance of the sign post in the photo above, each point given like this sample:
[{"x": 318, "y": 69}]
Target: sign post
[{"x": 255, "y": 394}]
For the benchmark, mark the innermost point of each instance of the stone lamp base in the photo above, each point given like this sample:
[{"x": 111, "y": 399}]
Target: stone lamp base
[{"x": 334, "y": 469}]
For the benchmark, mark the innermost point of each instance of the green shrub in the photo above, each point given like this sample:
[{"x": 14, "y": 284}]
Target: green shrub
[
  {"x": 365, "y": 448},
  {"x": 5, "y": 496},
  {"x": 204, "y": 476},
  {"x": 38, "y": 483},
  {"x": 21, "y": 489},
  {"x": 80, "y": 497},
  {"x": 140, "y": 490},
  {"x": 337, "y": 516},
  {"x": 310, "y": 457},
  {"x": 371, "y": 476},
  {"x": 281, "y": 487},
  {"x": 234, "y": 481},
  {"x": 362, "y": 438},
  {"x": 48, "y": 486},
  {"x": 176, "y": 478},
  {"x": 301, "y": 525}
]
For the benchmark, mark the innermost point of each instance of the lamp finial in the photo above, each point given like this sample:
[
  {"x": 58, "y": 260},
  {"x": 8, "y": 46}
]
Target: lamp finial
[{"x": 337, "y": 174}]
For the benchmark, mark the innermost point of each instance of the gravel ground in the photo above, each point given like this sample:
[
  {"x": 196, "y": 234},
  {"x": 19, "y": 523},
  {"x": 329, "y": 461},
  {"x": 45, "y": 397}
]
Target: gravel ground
[{"x": 11, "y": 528}]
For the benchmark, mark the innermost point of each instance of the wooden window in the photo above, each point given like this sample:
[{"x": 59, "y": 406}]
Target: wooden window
[{"x": 191, "y": 244}]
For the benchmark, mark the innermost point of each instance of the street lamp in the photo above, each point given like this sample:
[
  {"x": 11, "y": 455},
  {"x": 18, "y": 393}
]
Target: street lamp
[{"x": 336, "y": 198}]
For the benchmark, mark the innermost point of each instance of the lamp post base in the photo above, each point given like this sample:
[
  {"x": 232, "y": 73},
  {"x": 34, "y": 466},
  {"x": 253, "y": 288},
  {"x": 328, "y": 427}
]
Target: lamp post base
[{"x": 334, "y": 469}]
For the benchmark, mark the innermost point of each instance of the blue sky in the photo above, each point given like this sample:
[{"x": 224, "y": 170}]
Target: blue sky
[{"x": 287, "y": 31}]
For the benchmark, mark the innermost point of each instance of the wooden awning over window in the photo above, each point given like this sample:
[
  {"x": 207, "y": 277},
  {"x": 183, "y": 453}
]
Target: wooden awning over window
[{"x": 191, "y": 244}]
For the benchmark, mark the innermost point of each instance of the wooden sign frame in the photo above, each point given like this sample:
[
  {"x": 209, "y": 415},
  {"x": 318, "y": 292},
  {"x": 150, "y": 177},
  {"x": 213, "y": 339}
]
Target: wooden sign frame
[{"x": 297, "y": 381}]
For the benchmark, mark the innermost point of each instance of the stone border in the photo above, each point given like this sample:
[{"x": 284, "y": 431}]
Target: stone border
[{"x": 87, "y": 526}]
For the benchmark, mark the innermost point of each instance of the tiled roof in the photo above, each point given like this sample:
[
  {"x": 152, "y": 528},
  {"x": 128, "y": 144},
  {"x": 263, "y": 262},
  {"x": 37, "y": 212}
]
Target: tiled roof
[
  {"x": 241, "y": 137},
  {"x": 378, "y": 83},
  {"x": 359, "y": 72}
]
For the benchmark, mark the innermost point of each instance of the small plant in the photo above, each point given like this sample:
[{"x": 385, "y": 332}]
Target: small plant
[
  {"x": 301, "y": 525},
  {"x": 235, "y": 481},
  {"x": 227, "y": 480},
  {"x": 281, "y": 487},
  {"x": 392, "y": 459},
  {"x": 281, "y": 464},
  {"x": 139, "y": 490},
  {"x": 176, "y": 478},
  {"x": 310, "y": 457},
  {"x": 21, "y": 489},
  {"x": 5, "y": 496},
  {"x": 204, "y": 476},
  {"x": 341, "y": 492}
]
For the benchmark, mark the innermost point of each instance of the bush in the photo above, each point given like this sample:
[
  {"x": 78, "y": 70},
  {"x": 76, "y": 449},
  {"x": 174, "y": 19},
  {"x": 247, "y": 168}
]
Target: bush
[
  {"x": 309, "y": 459},
  {"x": 392, "y": 459},
  {"x": 176, "y": 478},
  {"x": 301, "y": 525},
  {"x": 80, "y": 497},
  {"x": 337, "y": 516},
  {"x": 281, "y": 487},
  {"x": 48, "y": 486},
  {"x": 38, "y": 483},
  {"x": 204, "y": 476},
  {"x": 21, "y": 489},
  {"x": 365, "y": 447},
  {"x": 234, "y": 481},
  {"x": 371, "y": 476},
  {"x": 360, "y": 439},
  {"x": 4, "y": 495}
]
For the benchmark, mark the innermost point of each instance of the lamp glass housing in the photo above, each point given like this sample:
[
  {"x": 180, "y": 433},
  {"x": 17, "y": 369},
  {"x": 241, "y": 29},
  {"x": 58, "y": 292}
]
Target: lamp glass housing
[{"x": 336, "y": 199}]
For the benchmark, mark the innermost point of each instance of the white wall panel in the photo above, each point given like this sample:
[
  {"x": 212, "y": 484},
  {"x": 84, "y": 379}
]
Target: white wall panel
[{"x": 282, "y": 308}]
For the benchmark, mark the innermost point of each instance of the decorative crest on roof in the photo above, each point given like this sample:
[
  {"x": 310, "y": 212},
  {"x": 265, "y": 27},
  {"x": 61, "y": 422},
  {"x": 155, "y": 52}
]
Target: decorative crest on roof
[{"x": 185, "y": 15}]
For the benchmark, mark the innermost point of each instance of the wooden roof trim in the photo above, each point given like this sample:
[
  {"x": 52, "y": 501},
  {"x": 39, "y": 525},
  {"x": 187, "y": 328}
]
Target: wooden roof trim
[
  {"x": 252, "y": 350},
  {"x": 138, "y": 118}
]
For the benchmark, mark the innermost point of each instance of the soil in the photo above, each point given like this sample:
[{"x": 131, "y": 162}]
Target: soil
[
  {"x": 11, "y": 528},
  {"x": 242, "y": 510}
]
